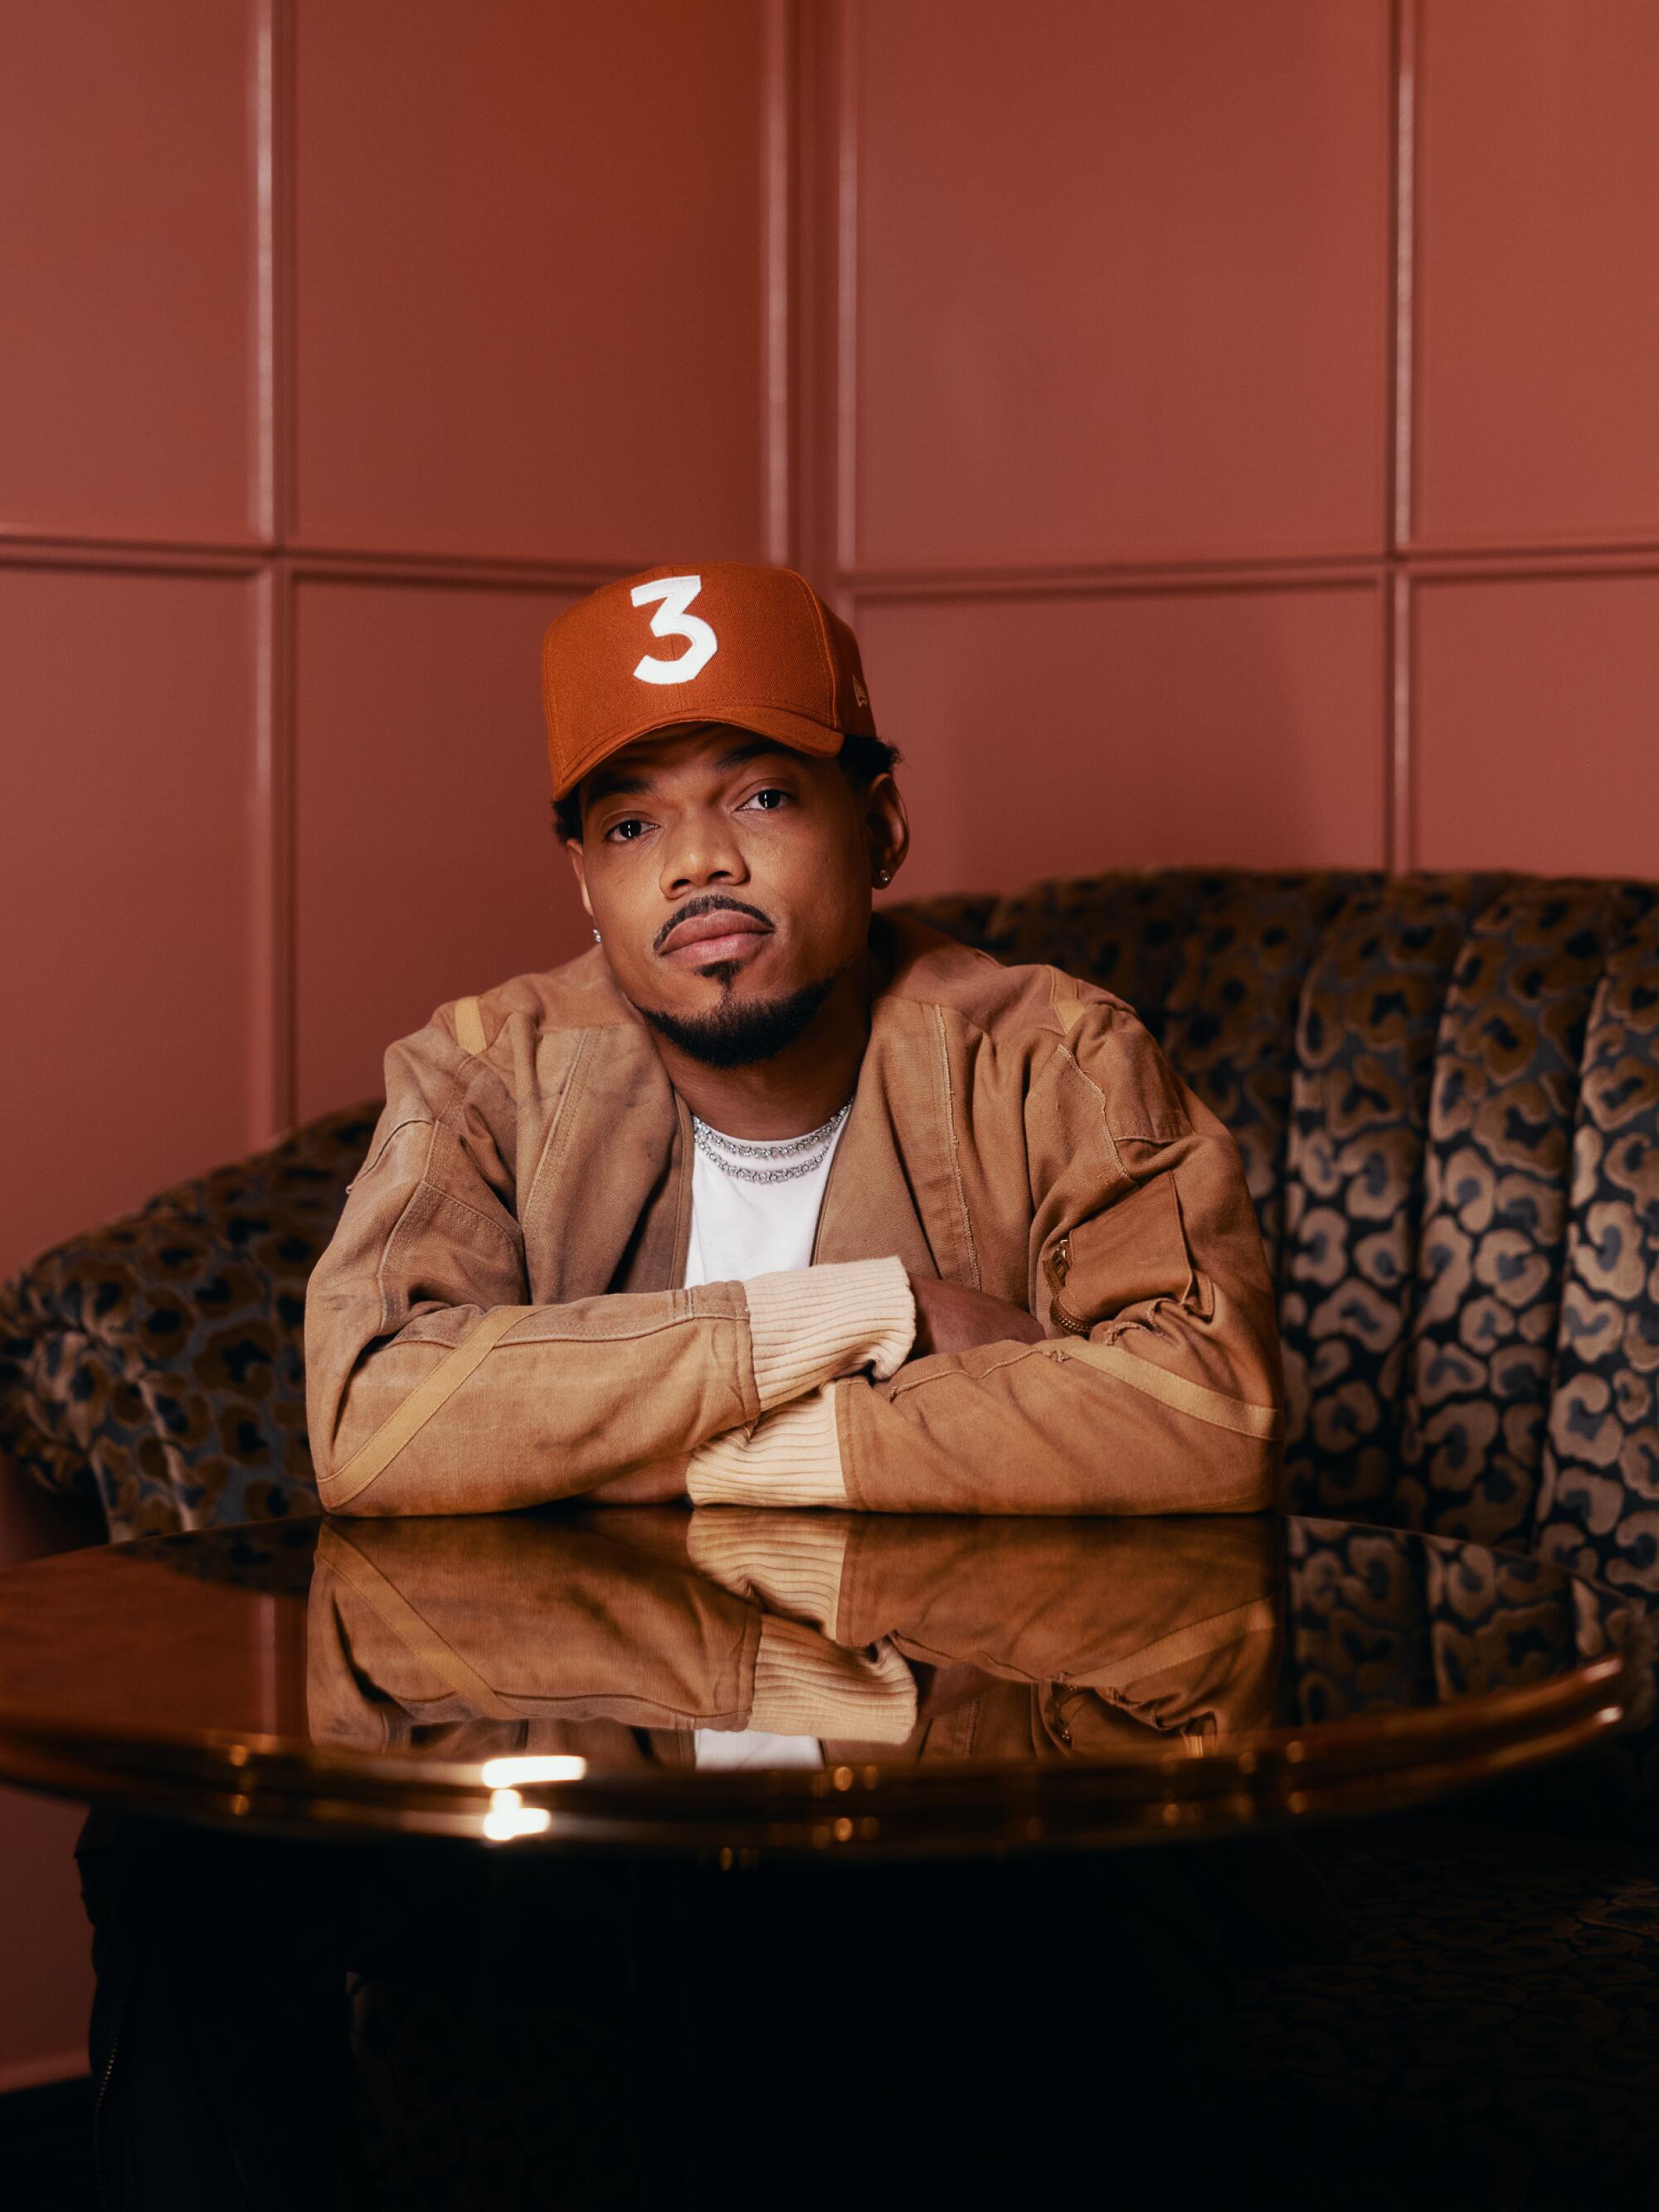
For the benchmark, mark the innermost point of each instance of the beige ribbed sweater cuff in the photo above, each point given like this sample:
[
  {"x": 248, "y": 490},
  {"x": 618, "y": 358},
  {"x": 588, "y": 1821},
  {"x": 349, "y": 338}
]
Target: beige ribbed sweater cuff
[
  {"x": 806, "y": 1686},
  {"x": 792, "y": 1457},
  {"x": 791, "y": 1561},
  {"x": 814, "y": 1323}
]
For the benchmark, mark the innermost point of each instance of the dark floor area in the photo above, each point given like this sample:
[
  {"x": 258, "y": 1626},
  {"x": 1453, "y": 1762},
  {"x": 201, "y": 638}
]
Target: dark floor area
[
  {"x": 46, "y": 2148},
  {"x": 45, "y": 2159}
]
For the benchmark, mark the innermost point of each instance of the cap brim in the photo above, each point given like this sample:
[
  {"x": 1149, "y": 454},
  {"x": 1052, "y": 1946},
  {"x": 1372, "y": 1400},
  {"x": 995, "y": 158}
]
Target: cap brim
[{"x": 799, "y": 733}]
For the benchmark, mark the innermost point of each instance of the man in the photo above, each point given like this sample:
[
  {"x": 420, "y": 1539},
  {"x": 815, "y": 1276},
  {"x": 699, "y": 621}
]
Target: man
[{"x": 759, "y": 1200}]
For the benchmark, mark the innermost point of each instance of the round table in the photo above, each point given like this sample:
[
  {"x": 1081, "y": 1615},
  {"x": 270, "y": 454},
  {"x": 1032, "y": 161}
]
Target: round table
[{"x": 732, "y": 1684}]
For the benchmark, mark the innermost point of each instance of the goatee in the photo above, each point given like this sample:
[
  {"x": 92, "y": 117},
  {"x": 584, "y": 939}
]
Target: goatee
[{"x": 738, "y": 1032}]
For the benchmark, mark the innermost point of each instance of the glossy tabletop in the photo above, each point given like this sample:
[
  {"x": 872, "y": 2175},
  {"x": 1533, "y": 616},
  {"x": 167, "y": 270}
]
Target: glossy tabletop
[{"x": 731, "y": 1684}]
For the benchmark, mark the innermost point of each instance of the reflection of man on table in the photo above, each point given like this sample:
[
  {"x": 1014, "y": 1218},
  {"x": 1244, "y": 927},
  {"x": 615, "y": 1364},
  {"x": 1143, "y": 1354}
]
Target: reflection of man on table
[
  {"x": 763, "y": 1201},
  {"x": 637, "y": 1638}
]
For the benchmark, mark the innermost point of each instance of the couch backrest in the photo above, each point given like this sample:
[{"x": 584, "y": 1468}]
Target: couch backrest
[
  {"x": 1445, "y": 1090},
  {"x": 156, "y": 1363}
]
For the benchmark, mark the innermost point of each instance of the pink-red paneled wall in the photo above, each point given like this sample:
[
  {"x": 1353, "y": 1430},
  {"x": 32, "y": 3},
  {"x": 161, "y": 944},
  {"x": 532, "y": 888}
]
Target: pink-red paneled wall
[
  {"x": 346, "y": 341},
  {"x": 1244, "y": 446},
  {"x": 1230, "y": 428}
]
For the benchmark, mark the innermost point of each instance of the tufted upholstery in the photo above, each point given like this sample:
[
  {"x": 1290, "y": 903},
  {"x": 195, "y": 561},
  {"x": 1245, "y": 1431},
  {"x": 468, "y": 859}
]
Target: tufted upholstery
[
  {"x": 1446, "y": 1092},
  {"x": 156, "y": 1363}
]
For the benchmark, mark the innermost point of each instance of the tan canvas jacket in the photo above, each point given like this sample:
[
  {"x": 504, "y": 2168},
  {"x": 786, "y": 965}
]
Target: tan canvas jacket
[
  {"x": 498, "y": 1321},
  {"x": 614, "y": 1635}
]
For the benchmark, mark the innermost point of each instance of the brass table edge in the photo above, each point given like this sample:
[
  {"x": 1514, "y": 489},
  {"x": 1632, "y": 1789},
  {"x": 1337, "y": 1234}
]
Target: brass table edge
[{"x": 1366, "y": 1763}]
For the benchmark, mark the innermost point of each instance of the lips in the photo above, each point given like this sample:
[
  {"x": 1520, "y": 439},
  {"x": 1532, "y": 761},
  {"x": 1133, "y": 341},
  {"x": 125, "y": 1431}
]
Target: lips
[{"x": 725, "y": 934}]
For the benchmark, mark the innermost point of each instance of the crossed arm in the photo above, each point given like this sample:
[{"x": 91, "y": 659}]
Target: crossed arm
[
  {"x": 949, "y": 1318},
  {"x": 434, "y": 1389},
  {"x": 1146, "y": 1383}
]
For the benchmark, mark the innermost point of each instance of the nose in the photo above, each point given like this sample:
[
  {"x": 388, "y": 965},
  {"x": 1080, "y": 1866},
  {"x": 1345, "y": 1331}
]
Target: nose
[{"x": 701, "y": 849}]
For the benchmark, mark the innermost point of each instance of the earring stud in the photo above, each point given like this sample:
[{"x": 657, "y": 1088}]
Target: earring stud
[{"x": 597, "y": 939}]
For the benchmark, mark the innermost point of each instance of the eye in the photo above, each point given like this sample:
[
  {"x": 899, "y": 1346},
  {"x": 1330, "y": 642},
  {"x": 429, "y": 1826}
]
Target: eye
[
  {"x": 769, "y": 799},
  {"x": 626, "y": 831}
]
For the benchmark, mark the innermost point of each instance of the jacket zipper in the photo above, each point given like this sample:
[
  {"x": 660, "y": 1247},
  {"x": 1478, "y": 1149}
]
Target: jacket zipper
[
  {"x": 1057, "y": 1266},
  {"x": 98, "y": 2116},
  {"x": 828, "y": 1186}
]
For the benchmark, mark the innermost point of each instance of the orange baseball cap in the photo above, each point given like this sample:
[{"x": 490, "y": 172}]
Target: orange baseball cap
[{"x": 730, "y": 642}]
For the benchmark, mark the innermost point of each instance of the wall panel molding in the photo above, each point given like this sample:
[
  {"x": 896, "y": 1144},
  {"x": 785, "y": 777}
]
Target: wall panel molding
[
  {"x": 846, "y": 274},
  {"x": 23, "y": 550},
  {"x": 1017, "y": 581},
  {"x": 1537, "y": 352},
  {"x": 130, "y": 825},
  {"x": 115, "y": 555},
  {"x": 780, "y": 272},
  {"x": 271, "y": 1007},
  {"x": 1119, "y": 294},
  {"x": 127, "y": 228},
  {"x": 272, "y": 278},
  {"x": 1399, "y": 769},
  {"x": 1533, "y": 713},
  {"x": 858, "y": 586},
  {"x": 1402, "y": 317},
  {"x": 1408, "y": 559},
  {"x": 1234, "y": 723}
]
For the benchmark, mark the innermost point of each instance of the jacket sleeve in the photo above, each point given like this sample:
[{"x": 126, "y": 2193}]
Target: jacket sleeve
[
  {"x": 1158, "y": 1388},
  {"x": 435, "y": 1384},
  {"x": 404, "y": 1635},
  {"x": 1179, "y": 1625}
]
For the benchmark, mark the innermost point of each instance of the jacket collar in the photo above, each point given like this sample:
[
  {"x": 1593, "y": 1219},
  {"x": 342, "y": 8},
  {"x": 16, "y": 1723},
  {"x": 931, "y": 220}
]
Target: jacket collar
[{"x": 609, "y": 1208}]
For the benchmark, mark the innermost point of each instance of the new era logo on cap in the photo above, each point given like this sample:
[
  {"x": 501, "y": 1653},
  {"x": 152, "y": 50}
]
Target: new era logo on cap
[{"x": 729, "y": 643}]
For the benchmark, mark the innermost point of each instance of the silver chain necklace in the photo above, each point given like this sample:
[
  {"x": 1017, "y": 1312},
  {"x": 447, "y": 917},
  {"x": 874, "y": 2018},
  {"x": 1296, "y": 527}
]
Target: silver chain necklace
[{"x": 783, "y": 1161}]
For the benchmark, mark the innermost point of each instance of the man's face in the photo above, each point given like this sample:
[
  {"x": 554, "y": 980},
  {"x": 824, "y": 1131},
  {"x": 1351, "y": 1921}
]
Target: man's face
[{"x": 726, "y": 873}]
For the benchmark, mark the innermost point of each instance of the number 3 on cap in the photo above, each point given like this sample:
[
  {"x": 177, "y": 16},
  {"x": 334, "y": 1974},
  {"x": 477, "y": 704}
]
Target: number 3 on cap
[{"x": 670, "y": 620}]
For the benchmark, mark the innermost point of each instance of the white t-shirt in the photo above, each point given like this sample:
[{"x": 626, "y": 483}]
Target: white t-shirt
[{"x": 741, "y": 1228}]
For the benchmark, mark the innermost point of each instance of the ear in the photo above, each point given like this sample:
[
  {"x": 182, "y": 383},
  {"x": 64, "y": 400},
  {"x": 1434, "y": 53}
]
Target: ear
[
  {"x": 573, "y": 847},
  {"x": 887, "y": 824}
]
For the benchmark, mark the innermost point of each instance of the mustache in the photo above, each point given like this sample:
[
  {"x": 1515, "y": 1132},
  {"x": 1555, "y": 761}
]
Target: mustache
[{"x": 707, "y": 902}]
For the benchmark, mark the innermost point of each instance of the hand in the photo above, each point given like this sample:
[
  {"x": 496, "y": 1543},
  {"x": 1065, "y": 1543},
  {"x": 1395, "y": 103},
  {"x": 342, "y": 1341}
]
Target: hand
[
  {"x": 950, "y": 1319},
  {"x": 661, "y": 1483}
]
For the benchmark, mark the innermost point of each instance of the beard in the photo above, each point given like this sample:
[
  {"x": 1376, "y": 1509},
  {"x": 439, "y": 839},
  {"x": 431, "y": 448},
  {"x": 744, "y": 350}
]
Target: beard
[{"x": 739, "y": 1032}]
